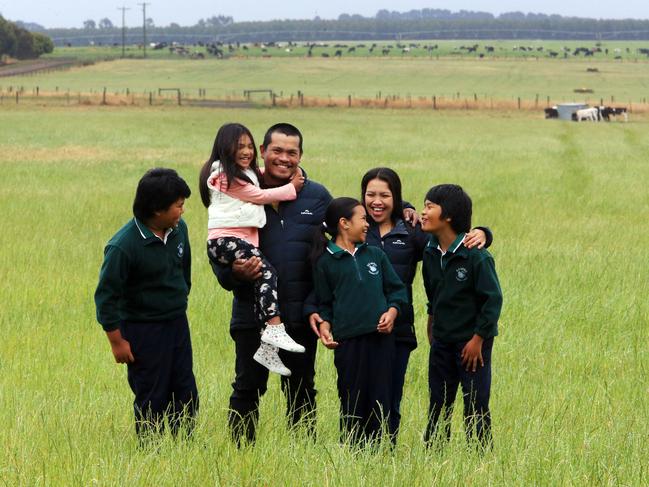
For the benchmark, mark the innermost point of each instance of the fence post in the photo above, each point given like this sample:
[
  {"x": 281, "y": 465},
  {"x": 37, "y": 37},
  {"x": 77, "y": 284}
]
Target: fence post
[
  {"x": 434, "y": 102},
  {"x": 150, "y": 98},
  {"x": 519, "y": 102},
  {"x": 349, "y": 101},
  {"x": 536, "y": 101},
  {"x": 475, "y": 97},
  {"x": 16, "y": 97},
  {"x": 179, "y": 100},
  {"x": 274, "y": 96},
  {"x": 37, "y": 91},
  {"x": 103, "y": 97},
  {"x": 548, "y": 102}
]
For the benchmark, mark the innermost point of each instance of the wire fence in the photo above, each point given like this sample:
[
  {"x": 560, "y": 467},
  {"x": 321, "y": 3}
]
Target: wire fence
[{"x": 169, "y": 96}]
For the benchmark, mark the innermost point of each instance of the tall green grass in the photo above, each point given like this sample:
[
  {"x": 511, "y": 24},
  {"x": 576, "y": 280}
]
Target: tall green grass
[{"x": 566, "y": 202}]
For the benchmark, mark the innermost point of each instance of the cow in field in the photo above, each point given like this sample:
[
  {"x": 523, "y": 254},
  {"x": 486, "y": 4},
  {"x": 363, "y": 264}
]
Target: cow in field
[
  {"x": 551, "y": 112},
  {"x": 587, "y": 114}
]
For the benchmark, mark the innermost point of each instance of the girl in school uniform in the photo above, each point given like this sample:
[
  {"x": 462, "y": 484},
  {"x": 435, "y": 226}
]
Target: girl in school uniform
[{"x": 359, "y": 297}]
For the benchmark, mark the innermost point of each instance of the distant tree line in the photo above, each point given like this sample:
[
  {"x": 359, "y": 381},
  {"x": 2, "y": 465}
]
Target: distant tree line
[
  {"x": 385, "y": 25},
  {"x": 17, "y": 42}
]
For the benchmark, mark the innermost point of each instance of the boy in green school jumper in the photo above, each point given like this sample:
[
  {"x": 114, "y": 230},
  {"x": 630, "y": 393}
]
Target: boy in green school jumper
[
  {"x": 464, "y": 302},
  {"x": 141, "y": 302}
]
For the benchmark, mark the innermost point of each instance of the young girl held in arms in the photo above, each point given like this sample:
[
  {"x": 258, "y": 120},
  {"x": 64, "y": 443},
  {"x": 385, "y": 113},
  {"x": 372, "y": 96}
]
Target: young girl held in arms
[
  {"x": 359, "y": 297},
  {"x": 229, "y": 186}
]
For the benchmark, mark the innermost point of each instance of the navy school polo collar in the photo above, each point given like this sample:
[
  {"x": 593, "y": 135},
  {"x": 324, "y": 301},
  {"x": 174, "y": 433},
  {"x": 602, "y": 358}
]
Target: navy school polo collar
[
  {"x": 339, "y": 252},
  {"x": 456, "y": 248},
  {"x": 148, "y": 236}
]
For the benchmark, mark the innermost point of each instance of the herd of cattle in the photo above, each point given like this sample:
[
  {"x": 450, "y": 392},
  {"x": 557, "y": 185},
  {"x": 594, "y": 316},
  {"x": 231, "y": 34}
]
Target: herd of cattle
[
  {"x": 220, "y": 49},
  {"x": 592, "y": 114}
]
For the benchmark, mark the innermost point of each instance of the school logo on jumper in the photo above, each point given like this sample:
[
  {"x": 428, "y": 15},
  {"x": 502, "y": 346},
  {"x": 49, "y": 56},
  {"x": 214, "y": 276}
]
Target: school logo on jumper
[
  {"x": 306, "y": 212},
  {"x": 399, "y": 242},
  {"x": 373, "y": 269},
  {"x": 461, "y": 274},
  {"x": 181, "y": 249}
]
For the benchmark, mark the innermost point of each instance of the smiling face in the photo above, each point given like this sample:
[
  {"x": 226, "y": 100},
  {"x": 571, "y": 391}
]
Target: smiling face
[
  {"x": 431, "y": 218},
  {"x": 245, "y": 153},
  {"x": 281, "y": 158},
  {"x": 356, "y": 227},
  {"x": 379, "y": 201}
]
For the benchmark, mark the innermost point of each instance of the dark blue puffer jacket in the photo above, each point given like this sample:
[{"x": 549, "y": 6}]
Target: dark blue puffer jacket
[
  {"x": 286, "y": 241},
  {"x": 404, "y": 246}
]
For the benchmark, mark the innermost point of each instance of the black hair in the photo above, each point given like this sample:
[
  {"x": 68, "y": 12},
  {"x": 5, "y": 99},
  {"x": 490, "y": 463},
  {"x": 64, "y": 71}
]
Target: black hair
[
  {"x": 158, "y": 189},
  {"x": 338, "y": 208},
  {"x": 283, "y": 128},
  {"x": 394, "y": 183},
  {"x": 455, "y": 203},
  {"x": 224, "y": 149}
]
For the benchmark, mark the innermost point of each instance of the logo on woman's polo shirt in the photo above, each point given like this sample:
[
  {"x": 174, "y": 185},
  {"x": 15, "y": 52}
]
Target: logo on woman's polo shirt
[
  {"x": 461, "y": 274},
  {"x": 373, "y": 269},
  {"x": 181, "y": 249}
]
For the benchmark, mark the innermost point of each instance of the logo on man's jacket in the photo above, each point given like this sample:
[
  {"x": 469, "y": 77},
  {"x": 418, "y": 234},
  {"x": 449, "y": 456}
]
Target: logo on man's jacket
[
  {"x": 373, "y": 269},
  {"x": 461, "y": 274},
  {"x": 399, "y": 242},
  {"x": 306, "y": 212},
  {"x": 181, "y": 249}
]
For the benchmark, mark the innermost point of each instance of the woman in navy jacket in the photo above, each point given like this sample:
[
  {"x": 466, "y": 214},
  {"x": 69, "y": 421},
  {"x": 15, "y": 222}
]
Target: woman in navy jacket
[{"x": 404, "y": 246}]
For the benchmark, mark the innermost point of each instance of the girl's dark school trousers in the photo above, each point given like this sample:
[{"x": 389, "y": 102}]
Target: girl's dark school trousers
[{"x": 364, "y": 365}]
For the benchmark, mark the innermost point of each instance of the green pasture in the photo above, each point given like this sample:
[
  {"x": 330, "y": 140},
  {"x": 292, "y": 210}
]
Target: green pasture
[
  {"x": 568, "y": 207},
  {"x": 501, "y": 79}
]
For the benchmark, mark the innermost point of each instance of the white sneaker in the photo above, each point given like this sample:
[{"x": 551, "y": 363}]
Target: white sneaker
[
  {"x": 267, "y": 356},
  {"x": 276, "y": 335}
]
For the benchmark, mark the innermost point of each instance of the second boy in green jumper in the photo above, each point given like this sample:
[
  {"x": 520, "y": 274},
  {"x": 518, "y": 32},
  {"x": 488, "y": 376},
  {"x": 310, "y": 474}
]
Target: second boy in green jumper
[{"x": 464, "y": 302}]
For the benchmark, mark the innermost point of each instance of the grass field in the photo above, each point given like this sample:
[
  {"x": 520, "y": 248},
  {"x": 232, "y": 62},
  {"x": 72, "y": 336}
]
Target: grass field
[
  {"x": 568, "y": 207},
  {"x": 461, "y": 77}
]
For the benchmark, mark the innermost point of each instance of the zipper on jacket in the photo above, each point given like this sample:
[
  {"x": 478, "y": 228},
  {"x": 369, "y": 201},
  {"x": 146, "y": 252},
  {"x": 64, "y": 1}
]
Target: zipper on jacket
[{"x": 358, "y": 271}]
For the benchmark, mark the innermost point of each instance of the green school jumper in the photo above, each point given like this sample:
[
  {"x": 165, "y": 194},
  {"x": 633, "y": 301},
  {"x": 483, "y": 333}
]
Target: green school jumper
[
  {"x": 355, "y": 290},
  {"x": 464, "y": 296},
  {"x": 144, "y": 279}
]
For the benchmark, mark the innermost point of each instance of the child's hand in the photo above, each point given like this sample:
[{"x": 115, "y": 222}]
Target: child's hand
[
  {"x": 472, "y": 353},
  {"x": 386, "y": 321},
  {"x": 325, "y": 335},
  {"x": 298, "y": 181},
  {"x": 475, "y": 238},
  {"x": 121, "y": 348}
]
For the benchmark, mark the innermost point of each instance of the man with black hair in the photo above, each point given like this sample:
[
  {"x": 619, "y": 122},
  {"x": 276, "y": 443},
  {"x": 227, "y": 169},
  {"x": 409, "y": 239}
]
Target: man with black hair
[
  {"x": 141, "y": 302},
  {"x": 464, "y": 302},
  {"x": 286, "y": 243}
]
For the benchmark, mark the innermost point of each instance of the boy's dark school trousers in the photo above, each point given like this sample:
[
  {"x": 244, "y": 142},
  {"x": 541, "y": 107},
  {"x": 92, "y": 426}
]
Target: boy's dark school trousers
[
  {"x": 161, "y": 376},
  {"x": 364, "y": 365},
  {"x": 445, "y": 374}
]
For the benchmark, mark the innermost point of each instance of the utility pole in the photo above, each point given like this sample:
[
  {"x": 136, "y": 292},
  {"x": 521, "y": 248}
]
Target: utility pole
[
  {"x": 144, "y": 4},
  {"x": 123, "y": 9}
]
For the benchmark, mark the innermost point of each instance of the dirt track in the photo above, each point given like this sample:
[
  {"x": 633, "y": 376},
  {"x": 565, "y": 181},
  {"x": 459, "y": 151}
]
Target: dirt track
[{"x": 27, "y": 67}]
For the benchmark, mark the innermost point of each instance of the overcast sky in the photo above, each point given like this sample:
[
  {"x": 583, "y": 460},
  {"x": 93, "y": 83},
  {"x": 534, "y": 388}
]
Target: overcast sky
[{"x": 72, "y": 13}]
